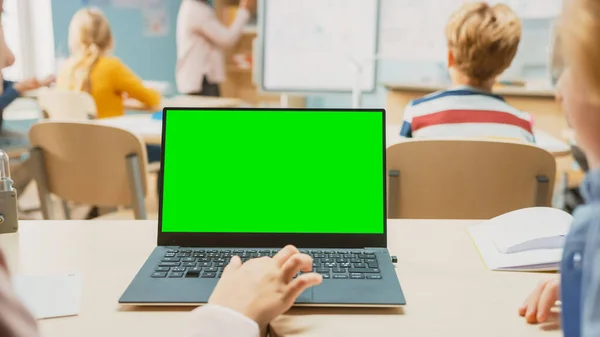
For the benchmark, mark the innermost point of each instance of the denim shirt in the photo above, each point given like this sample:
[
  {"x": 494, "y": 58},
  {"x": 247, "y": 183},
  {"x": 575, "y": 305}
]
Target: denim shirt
[
  {"x": 8, "y": 95},
  {"x": 580, "y": 266}
]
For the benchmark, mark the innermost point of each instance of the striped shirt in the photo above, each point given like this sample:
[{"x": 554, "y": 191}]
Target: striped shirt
[{"x": 465, "y": 112}]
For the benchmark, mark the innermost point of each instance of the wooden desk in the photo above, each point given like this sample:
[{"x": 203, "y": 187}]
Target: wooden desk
[
  {"x": 182, "y": 101},
  {"x": 570, "y": 135},
  {"x": 448, "y": 289},
  {"x": 187, "y": 102},
  {"x": 541, "y": 104},
  {"x": 546, "y": 141},
  {"x": 23, "y": 109},
  {"x": 150, "y": 130}
]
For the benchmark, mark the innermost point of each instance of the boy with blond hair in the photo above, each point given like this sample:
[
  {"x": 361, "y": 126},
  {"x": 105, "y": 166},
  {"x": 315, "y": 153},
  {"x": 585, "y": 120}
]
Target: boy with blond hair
[{"x": 482, "y": 42}]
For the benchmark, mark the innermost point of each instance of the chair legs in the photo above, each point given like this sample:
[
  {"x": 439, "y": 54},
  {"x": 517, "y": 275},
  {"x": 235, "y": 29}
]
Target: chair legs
[
  {"x": 135, "y": 186},
  {"x": 39, "y": 174},
  {"x": 66, "y": 210},
  {"x": 22, "y": 175},
  {"x": 393, "y": 194}
]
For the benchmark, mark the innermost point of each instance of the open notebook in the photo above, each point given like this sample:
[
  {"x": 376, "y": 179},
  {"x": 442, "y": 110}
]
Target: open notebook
[{"x": 529, "y": 239}]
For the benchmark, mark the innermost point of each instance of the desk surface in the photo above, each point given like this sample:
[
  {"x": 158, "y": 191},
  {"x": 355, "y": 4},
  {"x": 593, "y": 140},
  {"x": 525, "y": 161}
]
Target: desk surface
[
  {"x": 448, "y": 289},
  {"x": 187, "y": 102},
  {"x": 546, "y": 141},
  {"x": 503, "y": 91},
  {"x": 150, "y": 130},
  {"x": 147, "y": 128}
]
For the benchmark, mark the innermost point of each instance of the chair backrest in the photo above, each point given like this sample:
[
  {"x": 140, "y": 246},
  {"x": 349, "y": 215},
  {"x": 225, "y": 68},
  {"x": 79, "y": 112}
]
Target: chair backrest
[
  {"x": 89, "y": 163},
  {"x": 466, "y": 179},
  {"x": 67, "y": 105}
]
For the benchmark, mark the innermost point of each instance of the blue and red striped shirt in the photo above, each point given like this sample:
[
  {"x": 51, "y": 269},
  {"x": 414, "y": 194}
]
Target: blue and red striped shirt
[{"x": 465, "y": 112}]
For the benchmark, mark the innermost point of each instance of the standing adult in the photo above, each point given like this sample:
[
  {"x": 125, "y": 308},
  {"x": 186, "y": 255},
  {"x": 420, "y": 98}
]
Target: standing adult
[{"x": 201, "y": 39}]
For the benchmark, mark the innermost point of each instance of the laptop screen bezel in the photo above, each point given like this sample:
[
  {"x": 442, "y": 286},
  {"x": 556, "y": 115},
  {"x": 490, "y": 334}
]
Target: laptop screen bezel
[{"x": 250, "y": 240}]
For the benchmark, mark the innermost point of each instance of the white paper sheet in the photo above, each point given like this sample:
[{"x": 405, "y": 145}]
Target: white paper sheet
[{"x": 50, "y": 296}]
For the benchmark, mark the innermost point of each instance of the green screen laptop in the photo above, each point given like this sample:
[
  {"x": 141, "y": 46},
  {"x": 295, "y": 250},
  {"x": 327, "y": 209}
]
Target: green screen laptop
[{"x": 247, "y": 182}]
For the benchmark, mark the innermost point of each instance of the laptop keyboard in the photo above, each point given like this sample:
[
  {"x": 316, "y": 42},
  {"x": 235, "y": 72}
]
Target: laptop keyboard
[{"x": 355, "y": 264}]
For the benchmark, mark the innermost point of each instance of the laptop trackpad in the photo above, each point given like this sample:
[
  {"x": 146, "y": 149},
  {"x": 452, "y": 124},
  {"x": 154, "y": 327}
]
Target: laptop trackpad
[{"x": 306, "y": 296}]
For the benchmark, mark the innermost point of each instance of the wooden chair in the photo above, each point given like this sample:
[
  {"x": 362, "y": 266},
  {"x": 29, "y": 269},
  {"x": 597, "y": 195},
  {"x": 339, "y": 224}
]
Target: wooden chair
[
  {"x": 63, "y": 105},
  {"x": 466, "y": 179},
  {"x": 67, "y": 105},
  {"x": 88, "y": 163}
]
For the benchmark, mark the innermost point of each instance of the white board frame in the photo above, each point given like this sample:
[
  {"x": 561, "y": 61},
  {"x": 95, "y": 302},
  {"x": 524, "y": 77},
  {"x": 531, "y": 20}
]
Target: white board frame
[{"x": 261, "y": 66}]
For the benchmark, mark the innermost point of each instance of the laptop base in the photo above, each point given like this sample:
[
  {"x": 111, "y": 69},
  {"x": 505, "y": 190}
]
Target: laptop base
[{"x": 383, "y": 292}]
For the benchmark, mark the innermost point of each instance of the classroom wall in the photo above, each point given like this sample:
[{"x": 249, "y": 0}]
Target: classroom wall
[
  {"x": 531, "y": 63},
  {"x": 152, "y": 58}
]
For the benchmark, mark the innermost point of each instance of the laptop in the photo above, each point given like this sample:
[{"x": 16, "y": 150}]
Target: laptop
[{"x": 247, "y": 182}]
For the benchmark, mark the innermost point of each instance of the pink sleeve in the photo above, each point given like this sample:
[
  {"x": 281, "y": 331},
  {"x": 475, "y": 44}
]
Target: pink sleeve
[
  {"x": 213, "y": 320},
  {"x": 15, "y": 320},
  {"x": 219, "y": 34}
]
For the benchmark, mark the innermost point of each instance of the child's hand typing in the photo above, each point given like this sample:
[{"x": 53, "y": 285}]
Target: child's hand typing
[{"x": 264, "y": 288}]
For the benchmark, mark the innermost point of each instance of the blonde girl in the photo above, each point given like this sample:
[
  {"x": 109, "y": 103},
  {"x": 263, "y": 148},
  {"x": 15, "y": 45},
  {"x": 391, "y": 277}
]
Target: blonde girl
[{"x": 90, "y": 67}]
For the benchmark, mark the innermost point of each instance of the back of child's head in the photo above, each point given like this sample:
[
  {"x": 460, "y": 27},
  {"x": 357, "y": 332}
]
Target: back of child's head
[
  {"x": 89, "y": 38},
  {"x": 483, "y": 40}
]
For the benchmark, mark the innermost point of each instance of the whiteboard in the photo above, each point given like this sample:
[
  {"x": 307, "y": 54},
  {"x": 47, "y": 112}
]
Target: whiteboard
[
  {"x": 414, "y": 29},
  {"x": 310, "y": 45}
]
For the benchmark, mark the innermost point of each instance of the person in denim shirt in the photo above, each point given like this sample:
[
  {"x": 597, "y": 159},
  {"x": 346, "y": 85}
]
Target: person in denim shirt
[
  {"x": 579, "y": 92},
  {"x": 10, "y": 91}
]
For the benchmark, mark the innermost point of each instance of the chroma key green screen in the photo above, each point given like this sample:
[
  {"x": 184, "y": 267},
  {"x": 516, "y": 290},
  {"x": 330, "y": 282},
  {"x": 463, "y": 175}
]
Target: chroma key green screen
[{"x": 273, "y": 171}]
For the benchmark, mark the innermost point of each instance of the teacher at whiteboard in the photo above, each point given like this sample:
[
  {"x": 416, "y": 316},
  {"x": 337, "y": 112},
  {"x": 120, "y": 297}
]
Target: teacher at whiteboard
[{"x": 201, "y": 38}]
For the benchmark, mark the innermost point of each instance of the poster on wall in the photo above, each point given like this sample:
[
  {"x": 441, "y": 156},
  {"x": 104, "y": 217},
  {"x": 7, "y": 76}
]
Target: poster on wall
[
  {"x": 156, "y": 22},
  {"x": 156, "y": 17}
]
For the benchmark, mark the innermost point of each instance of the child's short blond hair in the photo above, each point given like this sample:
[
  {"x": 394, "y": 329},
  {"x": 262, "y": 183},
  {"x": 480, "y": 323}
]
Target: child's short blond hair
[
  {"x": 579, "y": 32},
  {"x": 483, "y": 39}
]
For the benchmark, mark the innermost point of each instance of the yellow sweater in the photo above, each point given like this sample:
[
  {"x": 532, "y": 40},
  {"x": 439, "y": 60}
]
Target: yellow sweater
[{"x": 110, "y": 81}]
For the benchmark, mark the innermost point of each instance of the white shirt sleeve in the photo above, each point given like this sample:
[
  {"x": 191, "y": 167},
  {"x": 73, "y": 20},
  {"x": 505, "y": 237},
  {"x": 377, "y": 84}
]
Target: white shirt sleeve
[
  {"x": 214, "y": 320},
  {"x": 219, "y": 34}
]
